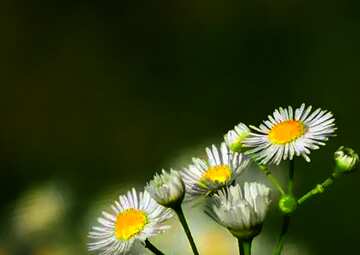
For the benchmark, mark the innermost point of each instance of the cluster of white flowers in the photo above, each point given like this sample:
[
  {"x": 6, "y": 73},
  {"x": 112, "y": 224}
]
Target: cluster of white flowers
[{"x": 138, "y": 216}]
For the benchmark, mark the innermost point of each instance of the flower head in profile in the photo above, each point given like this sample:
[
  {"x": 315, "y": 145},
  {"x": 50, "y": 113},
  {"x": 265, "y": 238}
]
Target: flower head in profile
[
  {"x": 346, "y": 160},
  {"x": 135, "y": 217},
  {"x": 235, "y": 137},
  {"x": 287, "y": 133},
  {"x": 242, "y": 212},
  {"x": 167, "y": 188},
  {"x": 221, "y": 169}
]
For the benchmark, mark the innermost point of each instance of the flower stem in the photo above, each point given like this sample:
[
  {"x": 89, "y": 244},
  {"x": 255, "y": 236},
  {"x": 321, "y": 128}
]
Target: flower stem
[
  {"x": 319, "y": 188},
  {"x": 286, "y": 218},
  {"x": 273, "y": 180},
  {"x": 183, "y": 222},
  {"x": 244, "y": 247},
  {"x": 291, "y": 177},
  {"x": 284, "y": 230},
  {"x": 152, "y": 248}
]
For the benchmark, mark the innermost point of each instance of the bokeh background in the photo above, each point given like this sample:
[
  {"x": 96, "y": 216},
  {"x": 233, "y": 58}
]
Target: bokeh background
[{"x": 97, "y": 96}]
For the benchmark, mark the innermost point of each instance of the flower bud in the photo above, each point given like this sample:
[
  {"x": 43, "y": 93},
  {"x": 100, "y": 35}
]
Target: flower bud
[
  {"x": 235, "y": 137},
  {"x": 167, "y": 188},
  {"x": 346, "y": 160},
  {"x": 287, "y": 204}
]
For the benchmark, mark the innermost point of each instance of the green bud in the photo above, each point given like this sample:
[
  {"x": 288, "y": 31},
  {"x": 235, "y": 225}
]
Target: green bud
[
  {"x": 346, "y": 160},
  {"x": 235, "y": 137},
  {"x": 237, "y": 146},
  {"x": 287, "y": 204}
]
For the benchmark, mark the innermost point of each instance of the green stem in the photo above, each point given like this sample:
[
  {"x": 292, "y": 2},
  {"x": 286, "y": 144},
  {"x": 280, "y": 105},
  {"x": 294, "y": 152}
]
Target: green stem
[
  {"x": 319, "y": 188},
  {"x": 284, "y": 230},
  {"x": 244, "y": 247},
  {"x": 183, "y": 222},
  {"x": 291, "y": 177},
  {"x": 286, "y": 219},
  {"x": 273, "y": 180},
  {"x": 152, "y": 248}
]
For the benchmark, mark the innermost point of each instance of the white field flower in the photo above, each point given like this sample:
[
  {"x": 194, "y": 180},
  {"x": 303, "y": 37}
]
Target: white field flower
[
  {"x": 235, "y": 137},
  {"x": 221, "y": 169},
  {"x": 287, "y": 133},
  {"x": 242, "y": 212},
  {"x": 135, "y": 217},
  {"x": 167, "y": 188}
]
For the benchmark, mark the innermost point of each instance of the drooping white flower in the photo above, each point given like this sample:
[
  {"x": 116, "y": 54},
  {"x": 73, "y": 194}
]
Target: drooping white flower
[
  {"x": 287, "y": 133},
  {"x": 221, "y": 169},
  {"x": 242, "y": 212},
  {"x": 167, "y": 188},
  {"x": 135, "y": 217}
]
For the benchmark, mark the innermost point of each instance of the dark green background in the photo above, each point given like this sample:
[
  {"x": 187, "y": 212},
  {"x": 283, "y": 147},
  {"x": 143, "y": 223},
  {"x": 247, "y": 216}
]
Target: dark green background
[{"x": 98, "y": 95}]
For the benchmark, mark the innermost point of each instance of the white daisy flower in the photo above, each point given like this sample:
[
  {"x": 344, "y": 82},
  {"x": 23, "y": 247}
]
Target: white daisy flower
[
  {"x": 242, "y": 212},
  {"x": 221, "y": 169},
  {"x": 288, "y": 133},
  {"x": 235, "y": 137},
  {"x": 168, "y": 189},
  {"x": 135, "y": 217}
]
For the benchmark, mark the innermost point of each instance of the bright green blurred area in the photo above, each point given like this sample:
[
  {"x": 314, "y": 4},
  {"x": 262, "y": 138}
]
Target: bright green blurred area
[{"x": 96, "y": 97}]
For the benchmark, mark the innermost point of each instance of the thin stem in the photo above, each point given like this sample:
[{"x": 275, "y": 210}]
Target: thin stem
[
  {"x": 291, "y": 177},
  {"x": 319, "y": 188},
  {"x": 286, "y": 219},
  {"x": 273, "y": 180},
  {"x": 152, "y": 248},
  {"x": 284, "y": 230},
  {"x": 244, "y": 247},
  {"x": 183, "y": 222}
]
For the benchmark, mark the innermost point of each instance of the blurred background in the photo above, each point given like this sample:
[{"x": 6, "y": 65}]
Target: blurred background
[{"x": 97, "y": 96}]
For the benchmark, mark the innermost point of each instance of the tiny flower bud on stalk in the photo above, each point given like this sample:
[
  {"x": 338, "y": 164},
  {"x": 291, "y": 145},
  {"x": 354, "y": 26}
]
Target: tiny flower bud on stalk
[{"x": 346, "y": 160}]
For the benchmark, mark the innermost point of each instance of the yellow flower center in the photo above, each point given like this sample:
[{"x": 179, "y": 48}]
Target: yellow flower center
[
  {"x": 286, "y": 131},
  {"x": 221, "y": 173},
  {"x": 129, "y": 223}
]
